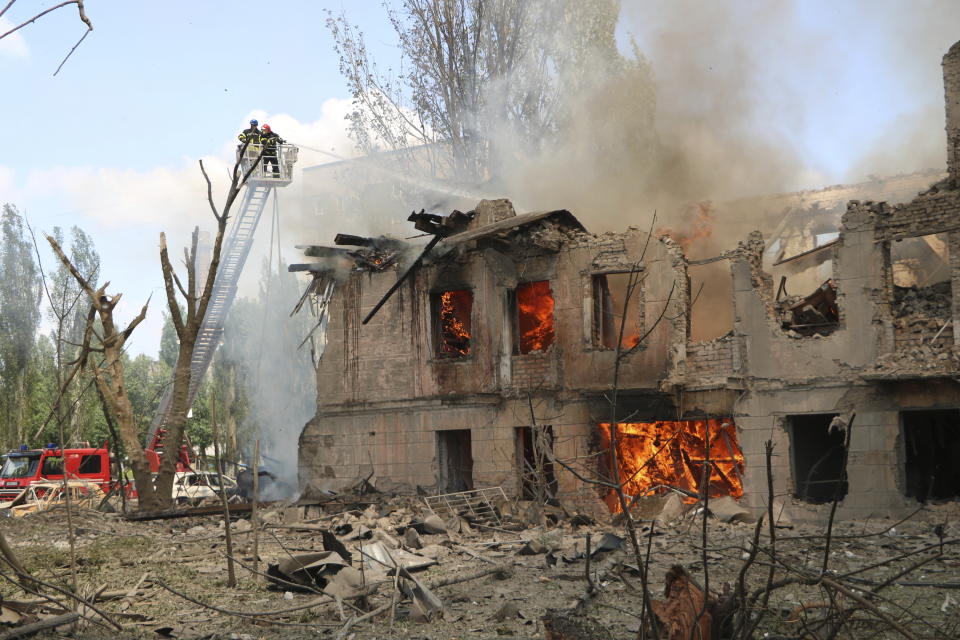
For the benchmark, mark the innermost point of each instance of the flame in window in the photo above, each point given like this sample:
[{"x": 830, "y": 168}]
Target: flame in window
[
  {"x": 454, "y": 323},
  {"x": 535, "y": 316},
  {"x": 652, "y": 455}
]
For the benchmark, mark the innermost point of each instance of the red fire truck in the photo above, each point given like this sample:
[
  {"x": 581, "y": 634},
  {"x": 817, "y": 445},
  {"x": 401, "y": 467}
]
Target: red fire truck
[
  {"x": 27, "y": 466},
  {"x": 24, "y": 466}
]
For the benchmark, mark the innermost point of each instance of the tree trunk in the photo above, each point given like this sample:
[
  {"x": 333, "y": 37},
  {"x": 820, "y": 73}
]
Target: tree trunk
[
  {"x": 122, "y": 410},
  {"x": 176, "y": 424}
]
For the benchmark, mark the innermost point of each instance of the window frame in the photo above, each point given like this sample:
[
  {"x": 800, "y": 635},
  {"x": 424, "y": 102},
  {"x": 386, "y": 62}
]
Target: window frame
[
  {"x": 436, "y": 329},
  {"x": 595, "y": 330},
  {"x": 513, "y": 308}
]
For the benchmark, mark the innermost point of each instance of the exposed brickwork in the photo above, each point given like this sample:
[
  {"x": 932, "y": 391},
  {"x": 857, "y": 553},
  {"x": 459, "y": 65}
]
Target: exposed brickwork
[
  {"x": 384, "y": 399},
  {"x": 533, "y": 371},
  {"x": 935, "y": 211},
  {"x": 710, "y": 361}
]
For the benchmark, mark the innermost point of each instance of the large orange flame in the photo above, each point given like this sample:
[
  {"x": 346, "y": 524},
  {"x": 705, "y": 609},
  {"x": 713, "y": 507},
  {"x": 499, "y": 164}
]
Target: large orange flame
[
  {"x": 455, "y": 309},
  {"x": 535, "y": 316},
  {"x": 652, "y": 455},
  {"x": 700, "y": 228}
]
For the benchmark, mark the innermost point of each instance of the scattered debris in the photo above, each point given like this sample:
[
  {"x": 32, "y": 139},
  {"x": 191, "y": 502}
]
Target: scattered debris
[
  {"x": 684, "y": 614},
  {"x": 306, "y": 572},
  {"x": 726, "y": 509},
  {"x": 41, "y": 496},
  {"x": 815, "y": 313},
  {"x": 321, "y": 574},
  {"x": 477, "y": 507}
]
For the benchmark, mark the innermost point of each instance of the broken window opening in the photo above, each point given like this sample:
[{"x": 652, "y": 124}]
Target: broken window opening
[
  {"x": 711, "y": 303},
  {"x": 536, "y": 471},
  {"x": 609, "y": 295},
  {"x": 921, "y": 261},
  {"x": 920, "y": 279},
  {"x": 654, "y": 456},
  {"x": 817, "y": 313},
  {"x": 817, "y": 456},
  {"x": 452, "y": 312},
  {"x": 532, "y": 309},
  {"x": 454, "y": 461},
  {"x": 931, "y": 442}
]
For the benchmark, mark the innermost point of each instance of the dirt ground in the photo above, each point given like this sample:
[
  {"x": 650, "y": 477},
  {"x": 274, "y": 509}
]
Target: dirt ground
[{"x": 545, "y": 571}]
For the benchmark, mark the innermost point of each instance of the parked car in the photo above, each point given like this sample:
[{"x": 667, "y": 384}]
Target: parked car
[{"x": 193, "y": 486}]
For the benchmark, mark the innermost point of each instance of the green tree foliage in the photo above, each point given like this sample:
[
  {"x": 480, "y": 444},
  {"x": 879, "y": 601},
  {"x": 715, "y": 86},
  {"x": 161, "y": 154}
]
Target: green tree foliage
[
  {"x": 20, "y": 295},
  {"x": 485, "y": 81},
  {"x": 67, "y": 314},
  {"x": 146, "y": 380}
]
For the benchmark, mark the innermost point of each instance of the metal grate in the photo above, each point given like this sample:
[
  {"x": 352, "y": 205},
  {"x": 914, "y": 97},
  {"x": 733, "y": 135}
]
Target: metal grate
[{"x": 477, "y": 505}]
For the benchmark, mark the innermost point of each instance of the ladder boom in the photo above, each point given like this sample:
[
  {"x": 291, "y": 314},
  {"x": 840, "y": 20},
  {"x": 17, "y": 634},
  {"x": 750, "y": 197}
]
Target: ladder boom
[{"x": 233, "y": 255}]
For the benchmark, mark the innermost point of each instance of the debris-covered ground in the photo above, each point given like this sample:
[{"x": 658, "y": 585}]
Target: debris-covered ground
[{"x": 168, "y": 578}]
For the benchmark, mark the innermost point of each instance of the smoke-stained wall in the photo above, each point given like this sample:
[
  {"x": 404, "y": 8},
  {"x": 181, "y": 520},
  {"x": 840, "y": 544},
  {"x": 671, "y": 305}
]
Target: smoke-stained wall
[
  {"x": 951, "y": 84},
  {"x": 384, "y": 391}
]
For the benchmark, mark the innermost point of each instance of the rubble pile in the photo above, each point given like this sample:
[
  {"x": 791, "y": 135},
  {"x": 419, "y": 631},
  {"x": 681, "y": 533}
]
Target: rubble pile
[
  {"x": 393, "y": 568},
  {"x": 929, "y": 359},
  {"x": 933, "y": 301},
  {"x": 924, "y": 331}
]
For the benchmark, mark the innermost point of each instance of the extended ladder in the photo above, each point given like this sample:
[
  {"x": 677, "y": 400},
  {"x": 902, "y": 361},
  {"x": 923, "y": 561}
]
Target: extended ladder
[
  {"x": 233, "y": 255},
  {"x": 236, "y": 247}
]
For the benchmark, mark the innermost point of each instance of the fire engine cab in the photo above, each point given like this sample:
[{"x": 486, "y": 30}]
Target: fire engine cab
[
  {"x": 27, "y": 466},
  {"x": 24, "y": 466}
]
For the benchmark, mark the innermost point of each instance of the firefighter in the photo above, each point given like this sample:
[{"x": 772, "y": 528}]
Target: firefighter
[
  {"x": 251, "y": 134},
  {"x": 269, "y": 139}
]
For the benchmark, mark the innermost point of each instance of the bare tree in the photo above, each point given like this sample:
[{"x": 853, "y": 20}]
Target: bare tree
[
  {"x": 109, "y": 373},
  {"x": 476, "y": 72},
  {"x": 80, "y": 9},
  {"x": 83, "y": 18}
]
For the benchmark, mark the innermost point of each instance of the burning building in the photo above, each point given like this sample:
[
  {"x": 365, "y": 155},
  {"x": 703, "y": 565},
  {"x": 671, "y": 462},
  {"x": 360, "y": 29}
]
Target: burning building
[{"x": 441, "y": 363}]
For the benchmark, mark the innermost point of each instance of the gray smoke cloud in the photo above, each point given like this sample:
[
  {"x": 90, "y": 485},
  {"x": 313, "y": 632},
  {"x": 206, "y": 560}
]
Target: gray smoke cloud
[
  {"x": 275, "y": 373},
  {"x": 730, "y": 100}
]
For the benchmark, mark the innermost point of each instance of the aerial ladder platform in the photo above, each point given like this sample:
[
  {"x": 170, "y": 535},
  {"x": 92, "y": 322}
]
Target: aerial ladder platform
[{"x": 233, "y": 255}]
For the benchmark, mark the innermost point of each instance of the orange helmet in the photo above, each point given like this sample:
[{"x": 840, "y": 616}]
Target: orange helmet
[{"x": 266, "y": 128}]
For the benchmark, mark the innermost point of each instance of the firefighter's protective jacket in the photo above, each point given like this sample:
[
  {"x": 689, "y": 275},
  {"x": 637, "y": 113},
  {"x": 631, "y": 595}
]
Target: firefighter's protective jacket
[
  {"x": 270, "y": 140},
  {"x": 252, "y": 134}
]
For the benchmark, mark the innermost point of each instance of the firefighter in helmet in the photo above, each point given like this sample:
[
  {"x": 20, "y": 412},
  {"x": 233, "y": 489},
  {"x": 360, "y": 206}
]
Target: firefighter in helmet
[
  {"x": 250, "y": 135},
  {"x": 269, "y": 139}
]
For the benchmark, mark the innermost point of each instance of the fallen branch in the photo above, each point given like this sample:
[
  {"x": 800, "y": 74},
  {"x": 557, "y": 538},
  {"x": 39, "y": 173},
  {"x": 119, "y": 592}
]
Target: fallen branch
[
  {"x": 501, "y": 570},
  {"x": 866, "y": 604},
  {"x": 42, "y": 625},
  {"x": 68, "y": 594},
  {"x": 258, "y": 616}
]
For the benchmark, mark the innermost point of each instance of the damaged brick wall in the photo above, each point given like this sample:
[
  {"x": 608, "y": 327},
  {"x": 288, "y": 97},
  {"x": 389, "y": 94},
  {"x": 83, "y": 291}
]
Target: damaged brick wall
[
  {"x": 951, "y": 84},
  {"x": 533, "y": 371},
  {"x": 710, "y": 361},
  {"x": 385, "y": 394}
]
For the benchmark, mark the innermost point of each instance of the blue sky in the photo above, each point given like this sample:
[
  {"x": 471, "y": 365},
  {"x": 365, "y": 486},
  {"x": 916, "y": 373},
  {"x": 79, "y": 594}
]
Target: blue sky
[{"x": 111, "y": 143}]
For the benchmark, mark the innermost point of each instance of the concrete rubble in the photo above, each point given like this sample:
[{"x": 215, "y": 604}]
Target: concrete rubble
[{"x": 517, "y": 580}]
